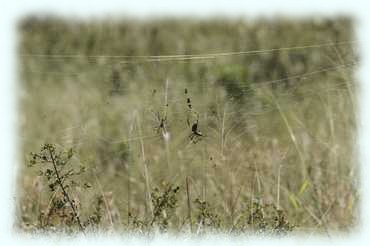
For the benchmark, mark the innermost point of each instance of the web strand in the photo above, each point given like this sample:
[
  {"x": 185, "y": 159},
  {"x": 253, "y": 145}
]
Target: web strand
[{"x": 160, "y": 58}]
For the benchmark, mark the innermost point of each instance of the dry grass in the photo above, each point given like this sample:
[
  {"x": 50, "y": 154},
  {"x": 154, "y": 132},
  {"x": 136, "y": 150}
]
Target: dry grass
[{"x": 278, "y": 126}]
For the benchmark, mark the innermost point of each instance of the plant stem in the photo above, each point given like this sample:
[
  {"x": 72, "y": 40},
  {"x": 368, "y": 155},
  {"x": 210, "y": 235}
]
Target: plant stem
[
  {"x": 278, "y": 189},
  {"x": 65, "y": 194},
  {"x": 107, "y": 207},
  {"x": 189, "y": 203},
  {"x": 148, "y": 196}
]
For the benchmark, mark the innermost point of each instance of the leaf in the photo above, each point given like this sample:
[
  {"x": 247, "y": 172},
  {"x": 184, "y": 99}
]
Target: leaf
[
  {"x": 87, "y": 185},
  {"x": 293, "y": 201},
  {"x": 52, "y": 186},
  {"x": 70, "y": 153},
  {"x": 49, "y": 173},
  {"x": 304, "y": 186},
  {"x": 82, "y": 169},
  {"x": 32, "y": 162}
]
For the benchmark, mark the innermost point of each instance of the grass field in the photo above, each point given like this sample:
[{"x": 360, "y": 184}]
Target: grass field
[{"x": 187, "y": 125}]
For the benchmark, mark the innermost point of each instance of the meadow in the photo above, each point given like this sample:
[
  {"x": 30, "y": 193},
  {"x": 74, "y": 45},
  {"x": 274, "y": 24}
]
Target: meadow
[{"x": 187, "y": 125}]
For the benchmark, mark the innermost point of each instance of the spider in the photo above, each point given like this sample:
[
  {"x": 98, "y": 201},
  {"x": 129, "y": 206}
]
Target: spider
[
  {"x": 161, "y": 119},
  {"x": 195, "y": 134},
  {"x": 161, "y": 123}
]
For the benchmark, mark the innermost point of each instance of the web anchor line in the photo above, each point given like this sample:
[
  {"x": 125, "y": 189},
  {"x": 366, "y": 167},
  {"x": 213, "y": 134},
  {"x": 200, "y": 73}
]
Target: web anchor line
[{"x": 182, "y": 57}]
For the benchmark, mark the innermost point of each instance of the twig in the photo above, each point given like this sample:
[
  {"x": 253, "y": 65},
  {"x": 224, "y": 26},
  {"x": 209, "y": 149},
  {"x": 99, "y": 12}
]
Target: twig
[
  {"x": 104, "y": 199},
  {"x": 278, "y": 189},
  {"x": 65, "y": 194},
  {"x": 146, "y": 173},
  {"x": 189, "y": 203}
]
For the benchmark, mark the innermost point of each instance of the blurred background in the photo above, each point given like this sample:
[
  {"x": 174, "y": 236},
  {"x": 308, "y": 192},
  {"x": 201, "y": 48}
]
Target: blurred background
[{"x": 274, "y": 100}]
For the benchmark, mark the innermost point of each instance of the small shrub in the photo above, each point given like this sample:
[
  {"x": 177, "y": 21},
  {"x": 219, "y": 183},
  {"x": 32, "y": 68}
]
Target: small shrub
[
  {"x": 96, "y": 217},
  {"x": 206, "y": 218},
  {"x": 138, "y": 225},
  {"x": 164, "y": 205},
  {"x": 263, "y": 219},
  {"x": 56, "y": 168}
]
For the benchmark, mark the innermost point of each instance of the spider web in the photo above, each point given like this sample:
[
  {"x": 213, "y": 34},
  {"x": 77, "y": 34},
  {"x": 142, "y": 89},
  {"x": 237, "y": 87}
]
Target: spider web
[
  {"x": 105, "y": 63},
  {"x": 101, "y": 67}
]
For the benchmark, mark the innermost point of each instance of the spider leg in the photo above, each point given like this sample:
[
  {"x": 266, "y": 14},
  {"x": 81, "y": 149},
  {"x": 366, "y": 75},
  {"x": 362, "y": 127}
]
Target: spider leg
[{"x": 195, "y": 139}]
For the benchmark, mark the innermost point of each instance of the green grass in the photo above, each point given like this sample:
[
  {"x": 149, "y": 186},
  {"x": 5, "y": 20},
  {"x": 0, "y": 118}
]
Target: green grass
[{"x": 279, "y": 126}]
